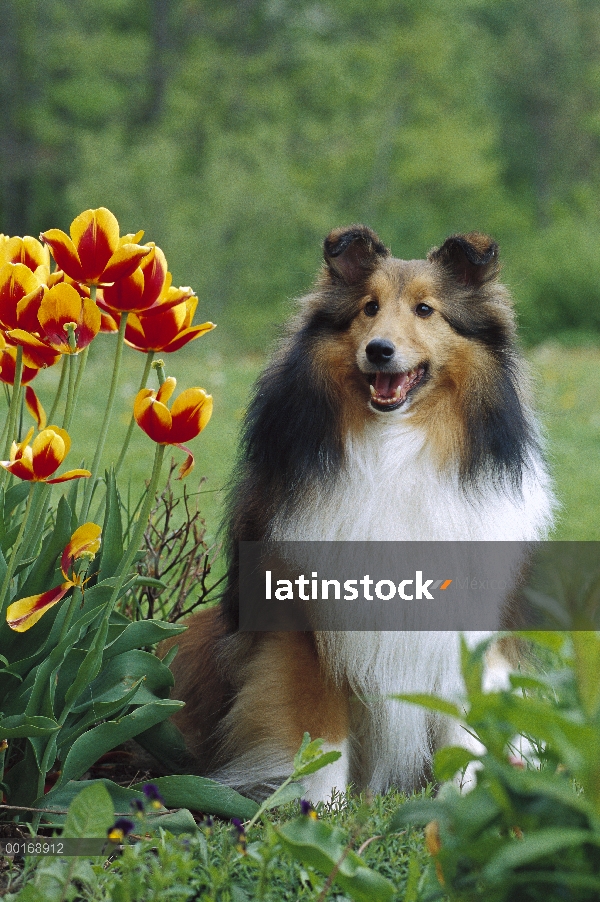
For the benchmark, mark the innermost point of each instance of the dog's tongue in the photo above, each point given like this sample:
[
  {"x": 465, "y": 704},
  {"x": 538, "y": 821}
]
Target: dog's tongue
[{"x": 386, "y": 384}]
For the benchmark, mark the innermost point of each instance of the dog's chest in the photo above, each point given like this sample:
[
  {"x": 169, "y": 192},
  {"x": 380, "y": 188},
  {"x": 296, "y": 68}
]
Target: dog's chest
[{"x": 389, "y": 489}]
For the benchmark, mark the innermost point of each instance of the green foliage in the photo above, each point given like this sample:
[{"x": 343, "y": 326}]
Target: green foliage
[
  {"x": 241, "y": 136},
  {"x": 532, "y": 832}
]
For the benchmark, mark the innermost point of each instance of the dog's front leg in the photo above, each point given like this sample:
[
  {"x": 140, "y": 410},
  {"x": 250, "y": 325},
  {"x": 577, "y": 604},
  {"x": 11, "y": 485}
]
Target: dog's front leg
[{"x": 284, "y": 695}]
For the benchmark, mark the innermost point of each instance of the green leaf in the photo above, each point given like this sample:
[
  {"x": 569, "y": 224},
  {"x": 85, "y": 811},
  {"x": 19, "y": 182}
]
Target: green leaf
[
  {"x": 61, "y": 797},
  {"x": 167, "y": 745},
  {"x": 91, "y": 814},
  {"x": 96, "y": 742},
  {"x": 450, "y": 760},
  {"x": 88, "y": 669},
  {"x": 202, "y": 794},
  {"x": 121, "y": 672},
  {"x": 143, "y": 632},
  {"x": 315, "y": 765},
  {"x": 14, "y": 496},
  {"x": 431, "y": 702},
  {"x": 112, "y": 531},
  {"x": 309, "y": 757},
  {"x": 20, "y": 725},
  {"x": 150, "y": 581},
  {"x": 96, "y": 712},
  {"x": 42, "y": 572},
  {"x": 175, "y": 822},
  {"x": 531, "y": 848},
  {"x": 288, "y": 794},
  {"x": 319, "y": 846}
]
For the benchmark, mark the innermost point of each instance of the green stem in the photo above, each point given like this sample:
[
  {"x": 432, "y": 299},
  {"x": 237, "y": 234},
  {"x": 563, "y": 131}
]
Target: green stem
[
  {"x": 80, "y": 371},
  {"x": 41, "y": 490},
  {"x": 138, "y": 533},
  {"x": 70, "y": 393},
  {"x": 14, "y": 405},
  {"x": 61, "y": 384},
  {"x": 268, "y": 802},
  {"x": 149, "y": 358},
  {"x": 17, "y": 552},
  {"x": 89, "y": 489}
]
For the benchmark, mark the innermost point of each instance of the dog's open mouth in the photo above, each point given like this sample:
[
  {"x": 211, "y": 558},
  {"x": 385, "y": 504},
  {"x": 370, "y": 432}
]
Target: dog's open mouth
[{"x": 390, "y": 390}]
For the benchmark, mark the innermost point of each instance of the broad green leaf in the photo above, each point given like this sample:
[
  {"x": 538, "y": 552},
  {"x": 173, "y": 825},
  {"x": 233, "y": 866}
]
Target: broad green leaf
[
  {"x": 112, "y": 531},
  {"x": 319, "y": 846},
  {"x": 143, "y": 632},
  {"x": 14, "y": 496},
  {"x": 121, "y": 672},
  {"x": 61, "y": 797},
  {"x": 98, "y": 711},
  {"x": 20, "y": 725},
  {"x": 288, "y": 794},
  {"x": 202, "y": 794},
  {"x": 448, "y": 761},
  {"x": 166, "y": 743},
  {"x": 175, "y": 822},
  {"x": 88, "y": 669},
  {"x": 94, "y": 743},
  {"x": 546, "y": 841},
  {"x": 91, "y": 814}
]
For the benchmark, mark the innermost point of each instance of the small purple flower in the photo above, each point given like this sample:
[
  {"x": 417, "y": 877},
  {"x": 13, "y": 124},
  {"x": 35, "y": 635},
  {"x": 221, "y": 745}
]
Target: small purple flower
[
  {"x": 151, "y": 792},
  {"x": 239, "y": 835},
  {"x": 121, "y": 828},
  {"x": 307, "y": 809},
  {"x": 237, "y": 824},
  {"x": 137, "y": 805}
]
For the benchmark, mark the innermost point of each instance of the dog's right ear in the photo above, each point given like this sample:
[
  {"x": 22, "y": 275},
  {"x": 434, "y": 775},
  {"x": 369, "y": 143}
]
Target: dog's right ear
[{"x": 351, "y": 254}]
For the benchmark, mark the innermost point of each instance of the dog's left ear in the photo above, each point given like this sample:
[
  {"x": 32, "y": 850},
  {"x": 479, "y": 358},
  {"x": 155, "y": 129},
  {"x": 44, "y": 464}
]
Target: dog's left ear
[
  {"x": 351, "y": 254},
  {"x": 472, "y": 259}
]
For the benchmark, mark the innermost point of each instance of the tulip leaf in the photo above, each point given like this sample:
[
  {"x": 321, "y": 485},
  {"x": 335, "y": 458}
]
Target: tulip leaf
[
  {"x": 88, "y": 669},
  {"x": 324, "y": 848},
  {"x": 112, "y": 531},
  {"x": 42, "y": 574},
  {"x": 97, "y": 711},
  {"x": 18, "y": 726},
  {"x": 202, "y": 794},
  {"x": 94, "y": 743},
  {"x": 13, "y": 497},
  {"x": 167, "y": 745},
  {"x": 121, "y": 672},
  {"x": 142, "y": 632}
]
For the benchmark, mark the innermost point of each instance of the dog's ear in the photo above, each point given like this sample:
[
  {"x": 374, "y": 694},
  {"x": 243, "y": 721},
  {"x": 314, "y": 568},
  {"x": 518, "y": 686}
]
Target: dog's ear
[
  {"x": 352, "y": 254},
  {"x": 471, "y": 259}
]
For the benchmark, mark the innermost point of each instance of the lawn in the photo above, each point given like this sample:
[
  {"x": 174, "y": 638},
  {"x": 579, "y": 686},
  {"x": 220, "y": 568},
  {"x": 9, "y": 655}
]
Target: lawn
[{"x": 567, "y": 391}]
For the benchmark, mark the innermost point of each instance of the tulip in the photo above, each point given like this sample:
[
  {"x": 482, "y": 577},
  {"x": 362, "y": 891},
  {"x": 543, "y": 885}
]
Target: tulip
[
  {"x": 187, "y": 418},
  {"x": 28, "y": 251},
  {"x": 142, "y": 288},
  {"x": 21, "y": 615},
  {"x": 21, "y": 293},
  {"x": 36, "y": 353},
  {"x": 165, "y": 327},
  {"x": 61, "y": 307},
  {"x": 8, "y": 355},
  {"x": 37, "y": 462},
  {"x": 95, "y": 254},
  {"x": 34, "y": 406}
]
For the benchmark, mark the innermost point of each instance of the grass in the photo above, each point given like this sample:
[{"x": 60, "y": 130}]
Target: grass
[{"x": 567, "y": 391}]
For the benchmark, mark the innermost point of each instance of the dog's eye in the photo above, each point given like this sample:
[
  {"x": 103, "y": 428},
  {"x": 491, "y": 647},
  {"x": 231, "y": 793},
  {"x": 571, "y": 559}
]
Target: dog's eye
[
  {"x": 371, "y": 308},
  {"x": 423, "y": 310}
]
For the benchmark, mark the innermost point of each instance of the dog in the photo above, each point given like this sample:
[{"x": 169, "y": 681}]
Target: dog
[{"x": 396, "y": 407}]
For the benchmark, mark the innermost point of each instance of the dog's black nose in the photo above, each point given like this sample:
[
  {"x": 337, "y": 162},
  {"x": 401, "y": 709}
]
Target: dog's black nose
[{"x": 379, "y": 350}]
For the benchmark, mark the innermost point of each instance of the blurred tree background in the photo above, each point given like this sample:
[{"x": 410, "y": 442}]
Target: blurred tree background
[{"x": 238, "y": 133}]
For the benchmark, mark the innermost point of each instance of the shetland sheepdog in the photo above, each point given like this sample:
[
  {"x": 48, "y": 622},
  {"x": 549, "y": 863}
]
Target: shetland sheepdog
[{"x": 396, "y": 407}]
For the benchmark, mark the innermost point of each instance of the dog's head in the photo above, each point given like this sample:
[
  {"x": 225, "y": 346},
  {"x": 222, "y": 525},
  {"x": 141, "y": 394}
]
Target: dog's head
[{"x": 415, "y": 324}]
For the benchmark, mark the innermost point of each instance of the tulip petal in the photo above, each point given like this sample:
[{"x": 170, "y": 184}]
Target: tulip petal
[
  {"x": 22, "y": 614},
  {"x": 123, "y": 262},
  {"x": 21, "y": 468},
  {"x": 166, "y": 389},
  {"x": 49, "y": 451},
  {"x": 95, "y": 234},
  {"x": 109, "y": 323},
  {"x": 152, "y": 416},
  {"x": 188, "y": 465},
  {"x": 85, "y": 539},
  {"x": 36, "y": 353},
  {"x": 16, "y": 282},
  {"x": 126, "y": 294},
  {"x": 8, "y": 356},
  {"x": 64, "y": 252},
  {"x": 191, "y": 412},
  {"x": 70, "y": 474},
  {"x": 186, "y": 336},
  {"x": 28, "y": 309},
  {"x": 34, "y": 406}
]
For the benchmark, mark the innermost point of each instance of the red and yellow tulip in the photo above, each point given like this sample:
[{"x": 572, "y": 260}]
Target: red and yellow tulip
[
  {"x": 166, "y": 327},
  {"x": 21, "y": 293},
  {"x": 8, "y": 354},
  {"x": 36, "y": 462},
  {"x": 63, "y": 305},
  {"x": 142, "y": 288},
  {"x": 95, "y": 254},
  {"x": 188, "y": 416},
  {"x": 21, "y": 615},
  {"x": 28, "y": 251}
]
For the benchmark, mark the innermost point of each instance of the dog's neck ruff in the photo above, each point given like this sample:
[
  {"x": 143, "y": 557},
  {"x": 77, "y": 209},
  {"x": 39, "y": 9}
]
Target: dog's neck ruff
[{"x": 390, "y": 489}]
